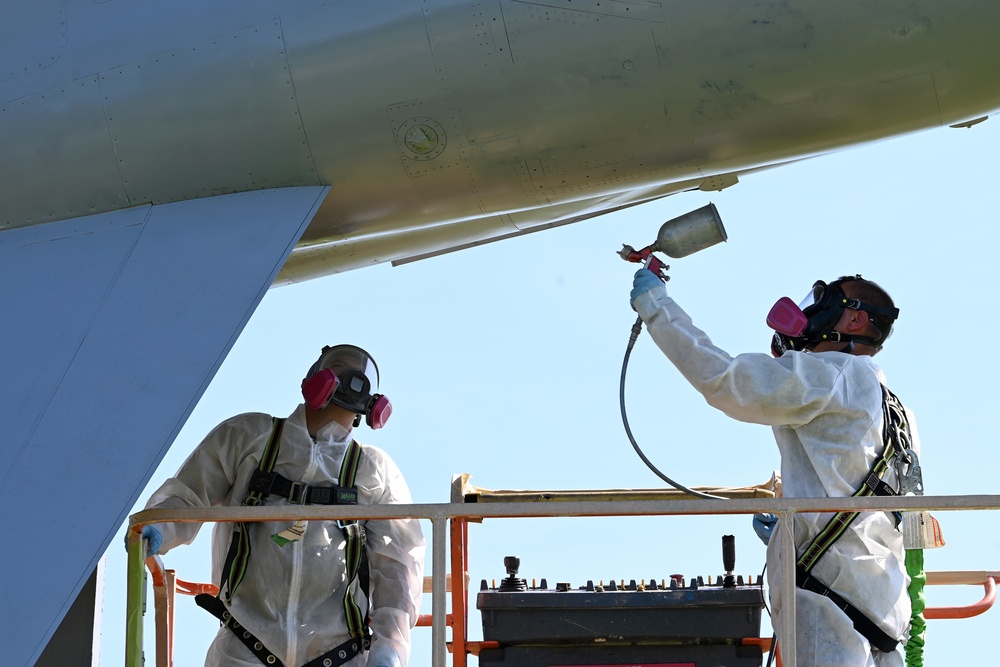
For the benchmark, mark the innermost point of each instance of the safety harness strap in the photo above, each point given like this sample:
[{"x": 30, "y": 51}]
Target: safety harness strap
[
  {"x": 896, "y": 440},
  {"x": 864, "y": 625},
  {"x": 871, "y": 486},
  {"x": 355, "y": 554},
  {"x": 215, "y": 607},
  {"x": 265, "y": 482},
  {"x": 239, "y": 548},
  {"x": 297, "y": 493},
  {"x": 333, "y": 658}
]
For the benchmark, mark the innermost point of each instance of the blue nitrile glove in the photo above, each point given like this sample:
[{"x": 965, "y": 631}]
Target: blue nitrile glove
[
  {"x": 644, "y": 281},
  {"x": 155, "y": 538},
  {"x": 382, "y": 655},
  {"x": 763, "y": 525}
]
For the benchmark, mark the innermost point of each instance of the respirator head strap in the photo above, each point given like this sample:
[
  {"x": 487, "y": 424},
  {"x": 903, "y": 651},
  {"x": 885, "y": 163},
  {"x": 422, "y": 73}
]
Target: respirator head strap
[
  {"x": 857, "y": 304},
  {"x": 814, "y": 320},
  {"x": 850, "y": 339}
]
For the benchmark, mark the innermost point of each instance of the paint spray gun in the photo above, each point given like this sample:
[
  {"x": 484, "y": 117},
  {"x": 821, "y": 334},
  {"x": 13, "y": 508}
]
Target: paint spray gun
[
  {"x": 646, "y": 258},
  {"x": 679, "y": 237}
]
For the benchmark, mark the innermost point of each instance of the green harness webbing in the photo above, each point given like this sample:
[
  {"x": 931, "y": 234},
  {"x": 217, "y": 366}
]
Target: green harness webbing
[
  {"x": 239, "y": 551},
  {"x": 355, "y": 555},
  {"x": 354, "y": 552},
  {"x": 896, "y": 438},
  {"x": 872, "y": 485}
]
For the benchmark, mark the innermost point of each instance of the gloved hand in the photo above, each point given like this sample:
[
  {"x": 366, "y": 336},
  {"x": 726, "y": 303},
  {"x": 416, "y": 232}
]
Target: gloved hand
[
  {"x": 644, "y": 281},
  {"x": 155, "y": 538},
  {"x": 382, "y": 655},
  {"x": 763, "y": 525}
]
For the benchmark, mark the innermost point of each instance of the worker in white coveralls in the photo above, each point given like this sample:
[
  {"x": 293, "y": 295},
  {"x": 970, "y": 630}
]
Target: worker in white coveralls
[
  {"x": 835, "y": 423},
  {"x": 316, "y": 593}
]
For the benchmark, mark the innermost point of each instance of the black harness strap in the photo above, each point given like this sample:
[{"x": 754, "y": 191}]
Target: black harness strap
[
  {"x": 335, "y": 657},
  {"x": 215, "y": 607},
  {"x": 864, "y": 625},
  {"x": 896, "y": 440},
  {"x": 297, "y": 493}
]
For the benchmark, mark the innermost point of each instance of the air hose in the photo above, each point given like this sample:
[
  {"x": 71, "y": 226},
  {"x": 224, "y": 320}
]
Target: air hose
[{"x": 636, "y": 329}]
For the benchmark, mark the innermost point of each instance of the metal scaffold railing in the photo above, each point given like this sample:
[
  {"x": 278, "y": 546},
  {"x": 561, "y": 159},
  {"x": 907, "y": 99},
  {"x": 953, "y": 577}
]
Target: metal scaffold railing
[{"x": 457, "y": 515}]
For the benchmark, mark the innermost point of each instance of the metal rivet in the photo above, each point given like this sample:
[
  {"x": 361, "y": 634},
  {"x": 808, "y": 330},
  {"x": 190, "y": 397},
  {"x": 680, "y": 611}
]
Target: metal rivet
[
  {"x": 342, "y": 654},
  {"x": 246, "y": 635},
  {"x": 258, "y": 646},
  {"x": 327, "y": 662},
  {"x": 226, "y": 615},
  {"x": 236, "y": 624},
  {"x": 271, "y": 659}
]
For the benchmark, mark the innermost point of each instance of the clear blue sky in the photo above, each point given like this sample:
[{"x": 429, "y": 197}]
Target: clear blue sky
[{"x": 503, "y": 362}]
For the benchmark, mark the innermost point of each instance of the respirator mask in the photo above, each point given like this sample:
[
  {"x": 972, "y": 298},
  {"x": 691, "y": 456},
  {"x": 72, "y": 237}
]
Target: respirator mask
[
  {"x": 347, "y": 376},
  {"x": 814, "y": 320}
]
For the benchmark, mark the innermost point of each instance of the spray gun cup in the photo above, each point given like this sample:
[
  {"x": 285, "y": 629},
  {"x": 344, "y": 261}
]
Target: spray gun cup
[{"x": 690, "y": 233}]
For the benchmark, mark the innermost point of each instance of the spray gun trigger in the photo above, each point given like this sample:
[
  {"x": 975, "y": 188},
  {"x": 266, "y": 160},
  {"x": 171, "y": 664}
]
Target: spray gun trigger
[{"x": 658, "y": 268}]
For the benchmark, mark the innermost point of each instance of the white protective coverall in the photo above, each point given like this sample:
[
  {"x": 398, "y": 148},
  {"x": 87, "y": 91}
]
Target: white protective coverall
[
  {"x": 826, "y": 413},
  {"x": 292, "y": 597}
]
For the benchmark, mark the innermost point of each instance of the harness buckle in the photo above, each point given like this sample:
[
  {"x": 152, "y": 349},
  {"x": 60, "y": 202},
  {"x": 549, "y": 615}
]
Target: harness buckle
[{"x": 298, "y": 493}]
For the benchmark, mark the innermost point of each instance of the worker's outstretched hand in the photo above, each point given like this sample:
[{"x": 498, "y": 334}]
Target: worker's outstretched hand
[
  {"x": 154, "y": 540},
  {"x": 644, "y": 281},
  {"x": 382, "y": 655},
  {"x": 763, "y": 525}
]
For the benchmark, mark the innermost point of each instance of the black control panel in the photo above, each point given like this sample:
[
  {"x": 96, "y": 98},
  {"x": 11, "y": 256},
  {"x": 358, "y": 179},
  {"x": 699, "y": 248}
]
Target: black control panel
[{"x": 673, "y": 620}]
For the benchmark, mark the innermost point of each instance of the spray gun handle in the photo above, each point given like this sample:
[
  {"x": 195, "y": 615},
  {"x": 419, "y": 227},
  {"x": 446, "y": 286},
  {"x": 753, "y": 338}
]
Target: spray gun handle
[
  {"x": 647, "y": 259},
  {"x": 658, "y": 268}
]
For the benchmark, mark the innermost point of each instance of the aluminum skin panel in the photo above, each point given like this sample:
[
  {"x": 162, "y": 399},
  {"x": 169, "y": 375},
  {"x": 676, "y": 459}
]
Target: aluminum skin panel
[
  {"x": 212, "y": 117},
  {"x": 34, "y": 42},
  {"x": 65, "y": 130}
]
